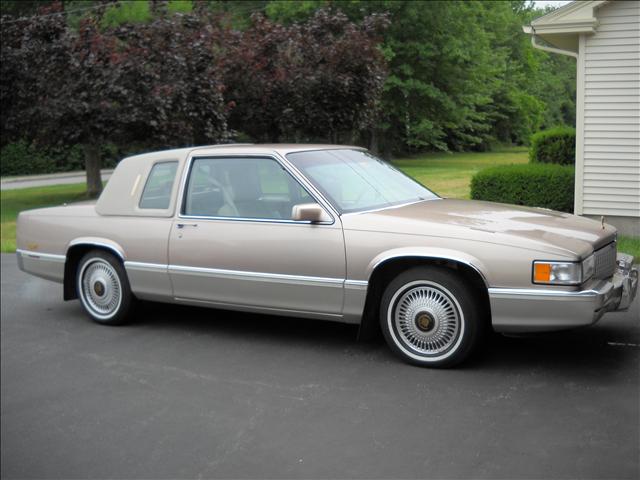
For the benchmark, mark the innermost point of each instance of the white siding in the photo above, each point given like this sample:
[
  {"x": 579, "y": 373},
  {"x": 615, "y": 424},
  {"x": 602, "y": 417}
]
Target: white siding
[{"x": 610, "y": 183}]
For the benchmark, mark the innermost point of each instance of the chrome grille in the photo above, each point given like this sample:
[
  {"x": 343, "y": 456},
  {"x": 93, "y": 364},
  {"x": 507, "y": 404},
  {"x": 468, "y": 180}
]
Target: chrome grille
[{"x": 605, "y": 260}]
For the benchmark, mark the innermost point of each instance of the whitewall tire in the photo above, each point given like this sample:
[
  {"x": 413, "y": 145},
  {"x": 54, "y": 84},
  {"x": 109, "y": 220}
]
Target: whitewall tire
[
  {"x": 103, "y": 288},
  {"x": 430, "y": 317}
]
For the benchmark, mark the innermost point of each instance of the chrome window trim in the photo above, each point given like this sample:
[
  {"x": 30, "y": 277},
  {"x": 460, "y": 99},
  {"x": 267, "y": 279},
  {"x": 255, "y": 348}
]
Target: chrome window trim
[
  {"x": 257, "y": 220},
  {"x": 329, "y": 147},
  {"x": 272, "y": 156},
  {"x": 42, "y": 256}
]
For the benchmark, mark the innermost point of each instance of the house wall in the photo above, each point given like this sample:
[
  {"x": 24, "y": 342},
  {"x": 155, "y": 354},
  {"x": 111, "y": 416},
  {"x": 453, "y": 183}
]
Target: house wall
[{"x": 608, "y": 133}]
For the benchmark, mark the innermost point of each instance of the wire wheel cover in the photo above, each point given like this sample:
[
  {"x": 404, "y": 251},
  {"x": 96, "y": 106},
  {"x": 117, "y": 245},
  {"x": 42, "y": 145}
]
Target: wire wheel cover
[
  {"x": 101, "y": 289},
  {"x": 426, "y": 319}
]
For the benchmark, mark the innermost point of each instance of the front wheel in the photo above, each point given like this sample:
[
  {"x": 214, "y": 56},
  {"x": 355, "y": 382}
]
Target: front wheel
[
  {"x": 429, "y": 317},
  {"x": 103, "y": 288}
]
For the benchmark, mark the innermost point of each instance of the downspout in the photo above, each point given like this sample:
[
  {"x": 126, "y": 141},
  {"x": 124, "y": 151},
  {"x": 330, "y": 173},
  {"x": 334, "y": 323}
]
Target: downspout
[{"x": 579, "y": 175}]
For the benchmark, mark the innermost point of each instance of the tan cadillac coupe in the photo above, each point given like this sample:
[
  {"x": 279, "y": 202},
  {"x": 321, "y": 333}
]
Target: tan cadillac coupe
[{"x": 326, "y": 232}]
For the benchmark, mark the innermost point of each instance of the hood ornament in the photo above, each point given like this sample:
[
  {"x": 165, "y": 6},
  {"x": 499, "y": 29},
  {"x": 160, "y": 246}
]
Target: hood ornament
[{"x": 602, "y": 221}]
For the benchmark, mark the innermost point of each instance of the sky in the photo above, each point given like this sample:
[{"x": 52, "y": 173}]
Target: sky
[{"x": 552, "y": 3}]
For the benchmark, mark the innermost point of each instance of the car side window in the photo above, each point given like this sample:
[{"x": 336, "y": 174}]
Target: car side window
[
  {"x": 157, "y": 189},
  {"x": 253, "y": 188}
]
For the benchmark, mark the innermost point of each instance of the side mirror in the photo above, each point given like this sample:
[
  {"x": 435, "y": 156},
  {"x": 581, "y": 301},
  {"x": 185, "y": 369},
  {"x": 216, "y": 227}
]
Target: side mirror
[{"x": 309, "y": 212}]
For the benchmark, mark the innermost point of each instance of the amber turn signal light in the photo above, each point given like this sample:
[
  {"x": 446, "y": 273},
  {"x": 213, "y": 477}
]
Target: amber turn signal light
[{"x": 542, "y": 272}]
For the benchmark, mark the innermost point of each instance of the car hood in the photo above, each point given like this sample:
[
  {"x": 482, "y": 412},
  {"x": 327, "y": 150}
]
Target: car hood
[{"x": 533, "y": 228}]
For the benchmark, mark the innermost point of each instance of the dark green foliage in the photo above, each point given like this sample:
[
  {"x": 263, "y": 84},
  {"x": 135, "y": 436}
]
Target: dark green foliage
[
  {"x": 23, "y": 158},
  {"x": 534, "y": 185},
  {"x": 556, "y": 145},
  {"x": 162, "y": 75},
  {"x": 442, "y": 75},
  {"x": 462, "y": 74},
  {"x": 154, "y": 83},
  {"x": 317, "y": 80}
]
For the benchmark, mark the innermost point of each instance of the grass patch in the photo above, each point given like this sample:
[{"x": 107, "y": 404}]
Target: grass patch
[
  {"x": 449, "y": 174},
  {"x": 14, "y": 201},
  {"x": 630, "y": 245}
]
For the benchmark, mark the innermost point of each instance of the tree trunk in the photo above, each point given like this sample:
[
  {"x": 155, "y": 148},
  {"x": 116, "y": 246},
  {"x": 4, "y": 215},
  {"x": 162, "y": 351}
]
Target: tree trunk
[
  {"x": 92, "y": 164},
  {"x": 386, "y": 150},
  {"x": 351, "y": 137},
  {"x": 373, "y": 141}
]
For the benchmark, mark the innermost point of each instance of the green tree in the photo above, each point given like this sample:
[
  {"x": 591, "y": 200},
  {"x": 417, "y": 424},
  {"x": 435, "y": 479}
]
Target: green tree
[{"x": 462, "y": 74}]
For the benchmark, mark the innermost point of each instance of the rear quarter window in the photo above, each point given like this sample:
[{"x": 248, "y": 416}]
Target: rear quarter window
[{"x": 159, "y": 185}]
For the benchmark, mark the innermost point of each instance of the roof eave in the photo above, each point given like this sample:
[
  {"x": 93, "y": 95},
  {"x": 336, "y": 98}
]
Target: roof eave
[
  {"x": 562, "y": 27},
  {"x": 574, "y": 27}
]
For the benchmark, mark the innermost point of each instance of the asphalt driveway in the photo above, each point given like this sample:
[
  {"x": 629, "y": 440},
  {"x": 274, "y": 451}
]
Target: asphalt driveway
[{"x": 187, "y": 392}]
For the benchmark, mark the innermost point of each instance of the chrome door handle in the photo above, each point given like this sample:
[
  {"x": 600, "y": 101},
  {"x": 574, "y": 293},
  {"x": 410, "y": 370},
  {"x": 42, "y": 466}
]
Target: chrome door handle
[{"x": 182, "y": 225}]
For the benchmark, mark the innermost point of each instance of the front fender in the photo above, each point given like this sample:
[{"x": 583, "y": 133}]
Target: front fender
[{"x": 428, "y": 253}]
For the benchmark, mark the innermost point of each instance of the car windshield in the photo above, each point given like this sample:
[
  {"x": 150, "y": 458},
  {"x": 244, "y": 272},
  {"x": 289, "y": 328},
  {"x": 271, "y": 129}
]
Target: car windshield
[{"x": 354, "y": 180}]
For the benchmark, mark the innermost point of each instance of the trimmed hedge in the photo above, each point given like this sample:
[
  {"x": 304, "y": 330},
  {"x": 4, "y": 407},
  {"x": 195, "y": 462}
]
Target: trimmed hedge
[
  {"x": 23, "y": 158},
  {"x": 556, "y": 145},
  {"x": 533, "y": 185}
]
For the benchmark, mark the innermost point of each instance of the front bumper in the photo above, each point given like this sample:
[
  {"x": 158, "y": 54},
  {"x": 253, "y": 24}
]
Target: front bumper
[{"x": 539, "y": 310}]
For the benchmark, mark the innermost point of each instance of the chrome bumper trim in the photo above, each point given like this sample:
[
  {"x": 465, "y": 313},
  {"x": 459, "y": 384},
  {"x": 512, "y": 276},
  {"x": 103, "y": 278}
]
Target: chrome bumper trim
[
  {"x": 44, "y": 256},
  {"x": 535, "y": 310},
  {"x": 45, "y": 265},
  {"x": 628, "y": 277}
]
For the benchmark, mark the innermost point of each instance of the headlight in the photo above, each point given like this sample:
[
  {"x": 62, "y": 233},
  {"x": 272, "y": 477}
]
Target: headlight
[{"x": 563, "y": 273}]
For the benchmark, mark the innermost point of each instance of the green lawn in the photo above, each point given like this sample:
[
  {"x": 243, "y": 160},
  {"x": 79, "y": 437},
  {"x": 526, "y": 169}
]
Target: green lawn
[
  {"x": 14, "y": 201},
  {"x": 630, "y": 245},
  {"x": 447, "y": 174}
]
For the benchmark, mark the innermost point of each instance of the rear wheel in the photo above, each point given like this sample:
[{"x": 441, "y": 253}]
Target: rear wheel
[
  {"x": 429, "y": 317},
  {"x": 103, "y": 288}
]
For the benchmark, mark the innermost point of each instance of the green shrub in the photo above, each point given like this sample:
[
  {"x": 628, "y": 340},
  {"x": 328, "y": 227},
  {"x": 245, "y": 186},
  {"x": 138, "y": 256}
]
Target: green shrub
[
  {"x": 534, "y": 185},
  {"x": 23, "y": 158},
  {"x": 123, "y": 12},
  {"x": 179, "y": 6},
  {"x": 556, "y": 145}
]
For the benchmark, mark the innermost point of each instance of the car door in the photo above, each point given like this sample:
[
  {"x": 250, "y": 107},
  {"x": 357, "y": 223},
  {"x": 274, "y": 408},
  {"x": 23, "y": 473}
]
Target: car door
[{"x": 234, "y": 242}]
